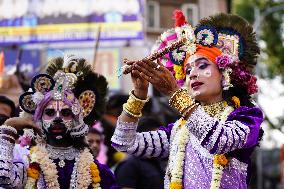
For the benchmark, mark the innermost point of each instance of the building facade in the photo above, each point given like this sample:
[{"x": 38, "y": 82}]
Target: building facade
[{"x": 158, "y": 13}]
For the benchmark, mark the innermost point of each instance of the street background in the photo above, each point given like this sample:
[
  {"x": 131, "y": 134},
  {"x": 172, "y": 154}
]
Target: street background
[{"x": 105, "y": 32}]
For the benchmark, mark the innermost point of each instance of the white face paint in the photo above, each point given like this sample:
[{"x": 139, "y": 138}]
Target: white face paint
[
  {"x": 207, "y": 73},
  {"x": 46, "y": 124},
  {"x": 195, "y": 93},
  {"x": 203, "y": 80},
  {"x": 57, "y": 118}
]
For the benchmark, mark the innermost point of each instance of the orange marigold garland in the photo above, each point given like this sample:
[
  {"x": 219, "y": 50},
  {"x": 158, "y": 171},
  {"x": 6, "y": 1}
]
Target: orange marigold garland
[
  {"x": 175, "y": 185},
  {"x": 33, "y": 173},
  {"x": 95, "y": 173},
  {"x": 219, "y": 163},
  {"x": 236, "y": 101}
]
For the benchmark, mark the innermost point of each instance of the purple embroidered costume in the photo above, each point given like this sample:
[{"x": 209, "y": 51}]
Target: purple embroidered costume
[
  {"x": 237, "y": 136},
  {"x": 62, "y": 103},
  {"x": 215, "y": 60},
  {"x": 13, "y": 173}
]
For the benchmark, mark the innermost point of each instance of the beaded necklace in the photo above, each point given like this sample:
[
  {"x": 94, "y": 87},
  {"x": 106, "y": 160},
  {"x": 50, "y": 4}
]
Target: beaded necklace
[
  {"x": 85, "y": 171},
  {"x": 216, "y": 109}
]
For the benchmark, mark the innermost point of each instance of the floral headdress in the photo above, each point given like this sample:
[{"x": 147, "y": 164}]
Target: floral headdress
[
  {"x": 237, "y": 42},
  {"x": 69, "y": 79},
  {"x": 175, "y": 59},
  {"x": 227, "y": 40}
]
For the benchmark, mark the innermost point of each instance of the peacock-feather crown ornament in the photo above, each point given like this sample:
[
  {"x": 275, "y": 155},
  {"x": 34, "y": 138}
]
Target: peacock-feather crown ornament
[
  {"x": 225, "y": 39},
  {"x": 72, "y": 80}
]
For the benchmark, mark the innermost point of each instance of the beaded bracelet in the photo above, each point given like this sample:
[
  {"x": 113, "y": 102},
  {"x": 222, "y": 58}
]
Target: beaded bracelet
[
  {"x": 8, "y": 128},
  {"x": 8, "y": 136},
  {"x": 181, "y": 100}
]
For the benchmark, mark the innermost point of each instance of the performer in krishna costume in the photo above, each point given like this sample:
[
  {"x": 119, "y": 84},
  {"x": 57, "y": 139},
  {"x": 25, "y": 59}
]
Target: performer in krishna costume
[
  {"x": 211, "y": 144},
  {"x": 59, "y": 106}
]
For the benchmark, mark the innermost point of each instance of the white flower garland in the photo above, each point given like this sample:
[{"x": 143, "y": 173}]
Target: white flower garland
[
  {"x": 178, "y": 164},
  {"x": 226, "y": 113},
  {"x": 227, "y": 79},
  {"x": 30, "y": 183},
  {"x": 217, "y": 170},
  {"x": 37, "y": 97},
  {"x": 177, "y": 171},
  {"x": 39, "y": 154},
  {"x": 84, "y": 178}
]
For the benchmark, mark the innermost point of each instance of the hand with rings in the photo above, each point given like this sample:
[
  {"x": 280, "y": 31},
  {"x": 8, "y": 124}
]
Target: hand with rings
[{"x": 157, "y": 74}]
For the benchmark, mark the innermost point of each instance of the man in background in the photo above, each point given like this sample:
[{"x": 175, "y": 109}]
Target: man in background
[{"x": 7, "y": 109}]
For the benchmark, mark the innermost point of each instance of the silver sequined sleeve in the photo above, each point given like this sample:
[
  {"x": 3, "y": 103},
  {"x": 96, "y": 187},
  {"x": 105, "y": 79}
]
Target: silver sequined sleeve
[
  {"x": 12, "y": 172},
  {"x": 216, "y": 136},
  {"x": 145, "y": 144}
]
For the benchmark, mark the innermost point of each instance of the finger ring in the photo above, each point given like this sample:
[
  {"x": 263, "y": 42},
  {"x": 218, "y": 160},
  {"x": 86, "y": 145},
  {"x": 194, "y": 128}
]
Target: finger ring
[{"x": 158, "y": 67}]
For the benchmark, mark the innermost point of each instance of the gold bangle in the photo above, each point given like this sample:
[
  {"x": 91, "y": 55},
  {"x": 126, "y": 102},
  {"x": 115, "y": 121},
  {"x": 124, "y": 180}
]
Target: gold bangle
[
  {"x": 185, "y": 114},
  {"x": 131, "y": 94},
  {"x": 129, "y": 113},
  {"x": 181, "y": 100},
  {"x": 134, "y": 105}
]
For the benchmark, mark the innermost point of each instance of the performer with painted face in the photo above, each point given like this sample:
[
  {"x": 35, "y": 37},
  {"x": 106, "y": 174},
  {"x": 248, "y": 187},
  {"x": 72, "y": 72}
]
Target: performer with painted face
[
  {"x": 60, "y": 105},
  {"x": 211, "y": 144}
]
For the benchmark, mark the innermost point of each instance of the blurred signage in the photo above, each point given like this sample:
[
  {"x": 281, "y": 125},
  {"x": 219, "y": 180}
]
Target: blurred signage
[
  {"x": 33, "y": 21},
  {"x": 107, "y": 61},
  {"x": 29, "y": 63}
]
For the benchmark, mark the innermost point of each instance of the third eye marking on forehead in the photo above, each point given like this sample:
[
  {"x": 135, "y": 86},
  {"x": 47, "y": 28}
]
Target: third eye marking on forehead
[{"x": 57, "y": 105}]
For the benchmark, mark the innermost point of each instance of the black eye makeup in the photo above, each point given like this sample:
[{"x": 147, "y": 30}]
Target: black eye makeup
[
  {"x": 203, "y": 66},
  {"x": 49, "y": 112},
  {"x": 188, "y": 70},
  {"x": 66, "y": 112}
]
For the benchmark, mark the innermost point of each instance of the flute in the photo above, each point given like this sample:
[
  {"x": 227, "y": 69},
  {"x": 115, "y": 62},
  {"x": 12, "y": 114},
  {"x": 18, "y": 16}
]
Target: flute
[{"x": 126, "y": 69}]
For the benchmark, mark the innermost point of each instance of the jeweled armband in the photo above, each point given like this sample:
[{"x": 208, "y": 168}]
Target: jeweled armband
[{"x": 181, "y": 100}]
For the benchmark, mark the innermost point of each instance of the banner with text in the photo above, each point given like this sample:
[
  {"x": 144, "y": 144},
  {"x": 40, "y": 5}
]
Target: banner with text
[{"x": 38, "y": 21}]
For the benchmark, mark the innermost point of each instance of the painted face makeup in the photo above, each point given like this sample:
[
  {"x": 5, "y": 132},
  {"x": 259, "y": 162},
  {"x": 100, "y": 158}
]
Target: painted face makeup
[
  {"x": 207, "y": 73},
  {"x": 199, "y": 66},
  {"x": 57, "y": 118},
  {"x": 203, "y": 79},
  {"x": 196, "y": 71}
]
